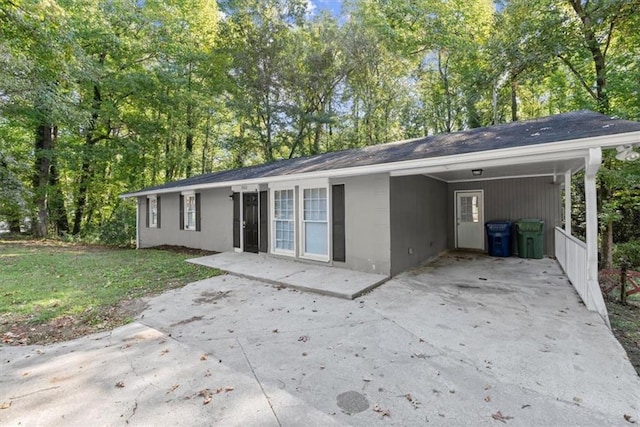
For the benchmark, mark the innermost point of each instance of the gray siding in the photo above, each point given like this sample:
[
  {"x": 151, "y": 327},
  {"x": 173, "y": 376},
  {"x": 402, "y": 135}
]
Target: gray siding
[
  {"x": 418, "y": 220},
  {"x": 216, "y": 219},
  {"x": 367, "y": 229},
  {"x": 514, "y": 199}
]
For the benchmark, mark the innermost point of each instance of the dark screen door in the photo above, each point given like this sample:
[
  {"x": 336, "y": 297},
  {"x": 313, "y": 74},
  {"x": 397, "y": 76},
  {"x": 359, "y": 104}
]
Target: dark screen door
[{"x": 250, "y": 222}]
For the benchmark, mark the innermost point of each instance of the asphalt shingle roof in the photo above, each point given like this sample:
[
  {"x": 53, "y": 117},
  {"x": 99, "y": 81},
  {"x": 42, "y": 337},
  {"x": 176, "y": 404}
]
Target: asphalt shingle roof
[{"x": 557, "y": 128}]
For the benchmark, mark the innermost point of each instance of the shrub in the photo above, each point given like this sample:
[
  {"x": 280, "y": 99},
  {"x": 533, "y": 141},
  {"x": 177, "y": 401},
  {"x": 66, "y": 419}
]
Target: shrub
[{"x": 629, "y": 251}]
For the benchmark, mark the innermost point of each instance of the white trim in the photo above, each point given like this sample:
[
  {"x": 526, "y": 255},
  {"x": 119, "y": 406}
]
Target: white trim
[
  {"x": 138, "y": 222},
  {"x": 308, "y": 185},
  {"x": 189, "y": 192},
  {"x": 272, "y": 227},
  {"x": 505, "y": 156},
  {"x": 455, "y": 215},
  {"x": 186, "y": 197},
  {"x": 245, "y": 188},
  {"x": 499, "y": 177},
  {"x": 153, "y": 198}
]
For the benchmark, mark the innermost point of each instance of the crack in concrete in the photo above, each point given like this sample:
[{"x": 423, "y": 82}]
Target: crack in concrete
[{"x": 259, "y": 383}]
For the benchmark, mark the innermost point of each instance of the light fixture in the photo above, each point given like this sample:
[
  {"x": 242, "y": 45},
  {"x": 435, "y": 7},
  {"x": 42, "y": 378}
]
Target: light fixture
[
  {"x": 627, "y": 153},
  {"x": 476, "y": 172}
]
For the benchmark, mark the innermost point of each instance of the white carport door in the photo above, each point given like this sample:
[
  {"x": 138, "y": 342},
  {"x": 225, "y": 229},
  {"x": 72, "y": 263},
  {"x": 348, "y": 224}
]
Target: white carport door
[{"x": 469, "y": 220}]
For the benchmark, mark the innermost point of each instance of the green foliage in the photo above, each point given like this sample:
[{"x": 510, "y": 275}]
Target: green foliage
[
  {"x": 140, "y": 93},
  {"x": 79, "y": 281},
  {"x": 629, "y": 252}
]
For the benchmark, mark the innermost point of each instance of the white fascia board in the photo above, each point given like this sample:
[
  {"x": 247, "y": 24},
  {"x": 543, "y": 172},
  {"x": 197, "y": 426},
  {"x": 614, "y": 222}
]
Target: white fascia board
[
  {"x": 500, "y": 177},
  {"x": 527, "y": 154}
]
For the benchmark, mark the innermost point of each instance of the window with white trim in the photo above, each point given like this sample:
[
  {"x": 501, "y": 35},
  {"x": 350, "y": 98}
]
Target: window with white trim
[
  {"x": 284, "y": 221},
  {"x": 153, "y": 211},
  {"x": 315, "y": 225},
  {"x": 190, "y": 212}
]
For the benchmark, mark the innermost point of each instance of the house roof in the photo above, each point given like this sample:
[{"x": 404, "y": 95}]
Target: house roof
[{"x": 551, "y": 129}]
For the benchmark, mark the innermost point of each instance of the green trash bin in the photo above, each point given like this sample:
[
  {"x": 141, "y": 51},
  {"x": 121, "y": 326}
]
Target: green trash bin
[{"x": 530, "y": 233}]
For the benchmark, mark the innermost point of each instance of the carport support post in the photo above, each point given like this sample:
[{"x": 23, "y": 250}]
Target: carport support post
[
  {"x": 594, "y": 300},
  {"x": 567, "y": 202}
]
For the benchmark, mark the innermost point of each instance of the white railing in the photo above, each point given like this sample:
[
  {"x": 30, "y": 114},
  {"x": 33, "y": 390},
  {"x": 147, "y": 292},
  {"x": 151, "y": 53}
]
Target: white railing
[{"x": 572, "y": 256}]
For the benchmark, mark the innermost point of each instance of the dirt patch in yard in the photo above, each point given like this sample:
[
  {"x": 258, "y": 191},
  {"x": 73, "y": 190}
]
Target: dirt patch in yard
[
  {"x": 21, "y": 331},
  {"x": 625, "y": 323},
  {"x": 184, "y": 250}
]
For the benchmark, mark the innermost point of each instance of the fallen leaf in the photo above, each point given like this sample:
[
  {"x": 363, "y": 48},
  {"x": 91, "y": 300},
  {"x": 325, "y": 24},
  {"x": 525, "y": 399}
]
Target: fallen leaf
[
  {"x": 502, "y": 418},
  {"x": 163, "y": 352},
  {"x": 120, "y": 384},
  {"x": 627, "y": 418},
  {"x": 303, "y": 338},
  {"x": 412, "y": 400},
  {"x": 384, "y": 412},
  {"x": 225, "y": 389},
  {"x": 577, "y": 399},
  {"x": 208, "y": 373},
  {"x": 525, "y": 406},
  {"x": 275, "y": 331},
  {"x": 487, "y": 399},
  {"x": 206, "y": 394},
  {"x": 7, "y": 405},
  {"x": 204, "y": 357}
]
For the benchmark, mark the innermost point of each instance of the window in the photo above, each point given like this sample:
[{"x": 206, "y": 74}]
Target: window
[
  {"x": 153, "y": 212},
  {"x": 469, "y": 209},
  {"x": 283, "y": 221},
  {"x": 315, "y": 227},
  {"x": 190, "y": 212}
]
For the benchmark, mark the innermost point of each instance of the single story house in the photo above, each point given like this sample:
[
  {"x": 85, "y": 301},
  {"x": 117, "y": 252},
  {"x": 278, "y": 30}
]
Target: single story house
[{"x": 386, "y": 208}]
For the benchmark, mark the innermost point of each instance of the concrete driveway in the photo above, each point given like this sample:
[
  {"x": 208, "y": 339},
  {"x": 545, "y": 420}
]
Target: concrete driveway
[{"x": 467, "y": 340}]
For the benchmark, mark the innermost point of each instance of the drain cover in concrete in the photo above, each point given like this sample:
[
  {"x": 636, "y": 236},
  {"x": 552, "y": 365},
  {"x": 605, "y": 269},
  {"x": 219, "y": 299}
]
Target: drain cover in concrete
[{"x": 352, "y": 402}]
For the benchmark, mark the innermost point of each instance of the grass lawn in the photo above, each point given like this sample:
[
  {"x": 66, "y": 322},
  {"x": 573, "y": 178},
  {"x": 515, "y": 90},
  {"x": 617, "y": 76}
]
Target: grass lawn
[{"x": 51, "y": 290}]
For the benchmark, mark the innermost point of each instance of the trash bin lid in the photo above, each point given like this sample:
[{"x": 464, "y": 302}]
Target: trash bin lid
[{"x": 530, "y": 224}]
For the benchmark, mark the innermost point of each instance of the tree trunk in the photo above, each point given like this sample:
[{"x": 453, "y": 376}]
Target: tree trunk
[
  {"x": 514, "y": 100},
  {"x": 43, "y": 145},
  {"x": 57, "y": 210},
  {"x": 87, "y": 167}
]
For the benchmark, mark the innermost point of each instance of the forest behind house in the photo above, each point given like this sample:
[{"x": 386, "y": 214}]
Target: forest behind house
[{"x": 98, "y": 98}]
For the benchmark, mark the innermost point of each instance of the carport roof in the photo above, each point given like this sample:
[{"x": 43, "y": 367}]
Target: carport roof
[{"x": 551, "y": 129}]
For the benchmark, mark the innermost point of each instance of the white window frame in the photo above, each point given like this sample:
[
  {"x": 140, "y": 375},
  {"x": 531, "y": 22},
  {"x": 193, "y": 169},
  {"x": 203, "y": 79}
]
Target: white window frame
[
  {"x": 310, "y": 185},
  {"x": 188, "y": 195},
  {"x": 153, "y": 220},
  {"x": 272, "y": 225}
]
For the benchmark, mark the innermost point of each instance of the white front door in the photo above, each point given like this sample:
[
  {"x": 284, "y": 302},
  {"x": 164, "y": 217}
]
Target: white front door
[{"x": 469, "y": 220}]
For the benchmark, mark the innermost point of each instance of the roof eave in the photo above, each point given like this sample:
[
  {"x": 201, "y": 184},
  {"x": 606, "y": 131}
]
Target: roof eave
[{"x": 573, "y": 147}]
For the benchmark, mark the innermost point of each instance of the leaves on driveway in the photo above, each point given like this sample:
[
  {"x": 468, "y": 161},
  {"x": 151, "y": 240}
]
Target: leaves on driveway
[
  {"x": 628, "y": 418},
  {"x": 383, "y": 412},
  {"x": 502, "y": 418},
  {"x": 304, "y": 338}
]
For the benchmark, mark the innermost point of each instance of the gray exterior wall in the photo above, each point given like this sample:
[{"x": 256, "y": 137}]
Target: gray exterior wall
[
  {"x": 418, "y": 220},
  {"x": 216, "y": 218},
  {"x": 367, "y": 226},
  {"x": 514, "y": 199}
]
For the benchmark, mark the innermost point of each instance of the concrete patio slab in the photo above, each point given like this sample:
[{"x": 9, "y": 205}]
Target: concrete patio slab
[
  {"x": 337, "y": 282},
  {"x": 467, "y": 340}
]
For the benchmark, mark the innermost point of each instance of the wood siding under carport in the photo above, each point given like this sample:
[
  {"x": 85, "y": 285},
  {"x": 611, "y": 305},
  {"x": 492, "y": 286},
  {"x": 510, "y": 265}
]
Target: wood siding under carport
[
  {"x": 514, "y": 199},
  {"x": 418, "y": 220}
]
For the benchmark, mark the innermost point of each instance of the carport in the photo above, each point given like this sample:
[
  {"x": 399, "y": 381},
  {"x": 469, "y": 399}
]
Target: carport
[{"x": 510, "y": 184}]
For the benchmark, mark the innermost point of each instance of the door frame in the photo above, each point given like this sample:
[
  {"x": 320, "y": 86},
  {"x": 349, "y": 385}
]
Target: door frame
[
  {"x": 455, "y": 215},
  {"x": 241, "y": 190},
  {"x": 243, "y": 234}
]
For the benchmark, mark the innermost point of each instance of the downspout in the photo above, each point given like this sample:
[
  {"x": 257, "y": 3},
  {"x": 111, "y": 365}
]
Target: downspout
[{"x": 594, "y": 300}]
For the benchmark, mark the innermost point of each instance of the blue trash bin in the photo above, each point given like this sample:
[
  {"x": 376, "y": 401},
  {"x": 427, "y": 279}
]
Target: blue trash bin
[{"x": 499, "y": 238}]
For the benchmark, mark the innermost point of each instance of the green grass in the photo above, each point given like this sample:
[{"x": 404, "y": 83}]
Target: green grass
[{"x": 41, "y": 281}]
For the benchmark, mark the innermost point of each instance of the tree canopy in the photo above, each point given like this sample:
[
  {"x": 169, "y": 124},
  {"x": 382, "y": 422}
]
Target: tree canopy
[{"x": 99, "y": 98}]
